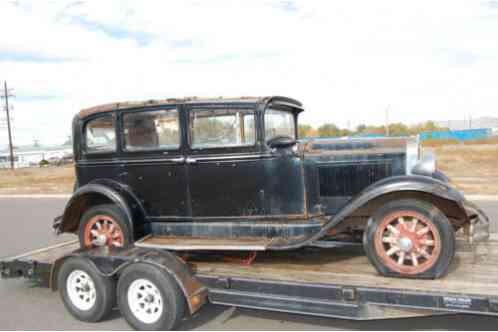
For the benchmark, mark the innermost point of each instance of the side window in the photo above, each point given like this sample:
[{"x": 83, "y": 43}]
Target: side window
[
  {"x": 100, "y": 134},
  {"x": 151, "y": 130},
  {"x": 213, "y": 128}
]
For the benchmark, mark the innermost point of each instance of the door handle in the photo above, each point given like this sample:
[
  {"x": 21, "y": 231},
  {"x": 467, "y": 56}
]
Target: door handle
[
  {"x": 122, "y": 174},
  {"x": 191, "y": 160},
  {"x": 178, "y": 160}
]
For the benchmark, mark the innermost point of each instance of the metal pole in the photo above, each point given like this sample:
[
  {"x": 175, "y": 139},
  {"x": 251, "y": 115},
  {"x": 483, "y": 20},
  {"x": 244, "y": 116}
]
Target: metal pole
[
  {"x": 6, "y": 94},
  {"x": 387, "y": 119}
]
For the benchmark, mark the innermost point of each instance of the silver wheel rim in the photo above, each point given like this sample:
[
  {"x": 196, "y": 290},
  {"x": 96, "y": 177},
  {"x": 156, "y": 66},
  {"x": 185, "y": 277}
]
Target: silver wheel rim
[
  {"x": 145, "y": 301},
  {"x": 81, "y": 290}
]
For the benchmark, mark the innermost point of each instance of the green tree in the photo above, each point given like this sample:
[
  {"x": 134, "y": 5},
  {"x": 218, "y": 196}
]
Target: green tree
[
  {"x": 398, "y": 129},
  {"x": 329, "y": 130},
  {"x": 305, "y": 130}
]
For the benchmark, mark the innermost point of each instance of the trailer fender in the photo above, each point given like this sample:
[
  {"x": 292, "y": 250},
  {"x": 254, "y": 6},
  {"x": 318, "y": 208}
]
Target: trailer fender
[
  {"x": 111, "y": 264},
  {"x": 98, "y": 192}
]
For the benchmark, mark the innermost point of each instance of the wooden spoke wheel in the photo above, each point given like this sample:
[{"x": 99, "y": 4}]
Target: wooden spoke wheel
[
  {"x": 408, "y": 242},
  {"x": 103, "y": 230}
]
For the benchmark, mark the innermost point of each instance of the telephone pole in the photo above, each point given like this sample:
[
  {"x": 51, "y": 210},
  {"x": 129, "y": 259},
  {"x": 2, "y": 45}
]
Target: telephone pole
[
  {"x": 387, "y": 119},
  {"x": 6, "y": 96}
]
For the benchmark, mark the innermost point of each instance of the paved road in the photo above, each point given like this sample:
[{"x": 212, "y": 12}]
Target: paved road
[{"x": 26, "y": 226}]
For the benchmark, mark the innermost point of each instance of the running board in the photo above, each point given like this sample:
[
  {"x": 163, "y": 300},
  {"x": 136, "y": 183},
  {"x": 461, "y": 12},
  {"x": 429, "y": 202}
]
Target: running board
[{"x": 181, "y": 243}]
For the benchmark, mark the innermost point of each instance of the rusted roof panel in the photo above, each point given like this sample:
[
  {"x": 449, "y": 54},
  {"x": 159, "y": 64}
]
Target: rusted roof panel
[{"x": 159, "y": 102}]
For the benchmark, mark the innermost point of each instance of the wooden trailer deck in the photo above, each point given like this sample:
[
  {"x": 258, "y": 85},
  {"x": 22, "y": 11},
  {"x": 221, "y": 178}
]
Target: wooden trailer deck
[{"x": 472, "y": 271}]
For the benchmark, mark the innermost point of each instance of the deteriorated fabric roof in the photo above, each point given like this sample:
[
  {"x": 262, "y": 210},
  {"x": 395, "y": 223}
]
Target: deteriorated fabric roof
[{"x": 158, "y": 102}]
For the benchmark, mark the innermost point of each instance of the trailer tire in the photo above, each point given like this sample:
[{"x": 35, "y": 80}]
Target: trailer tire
[
  {"x": 411, "y": 239},
  {"x": 87, "y": 295},
  {"x": 149, "y": 298}
]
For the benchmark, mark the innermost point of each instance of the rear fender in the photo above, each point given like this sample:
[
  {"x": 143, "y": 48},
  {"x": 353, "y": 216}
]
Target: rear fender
[{"x": 101, "y": 192}]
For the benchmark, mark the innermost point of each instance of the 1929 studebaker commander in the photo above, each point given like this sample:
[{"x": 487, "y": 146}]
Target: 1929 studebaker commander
[{"x": 231, "y": 174}]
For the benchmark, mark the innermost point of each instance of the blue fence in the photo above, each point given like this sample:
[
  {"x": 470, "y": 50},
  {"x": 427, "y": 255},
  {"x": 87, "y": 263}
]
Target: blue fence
[{"x": 461, "y": 135}]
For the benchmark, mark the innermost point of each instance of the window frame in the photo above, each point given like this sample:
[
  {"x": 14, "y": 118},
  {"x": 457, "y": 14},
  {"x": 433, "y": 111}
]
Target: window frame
[
  {"x": 222, "y": 148},
  {"x": 84, "y": 140},
  {"x": 273, "y": 108},
  {"x": 122, "y": 136}
]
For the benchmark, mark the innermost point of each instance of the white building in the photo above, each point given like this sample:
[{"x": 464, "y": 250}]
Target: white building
[{"x": 31, "y": 156}]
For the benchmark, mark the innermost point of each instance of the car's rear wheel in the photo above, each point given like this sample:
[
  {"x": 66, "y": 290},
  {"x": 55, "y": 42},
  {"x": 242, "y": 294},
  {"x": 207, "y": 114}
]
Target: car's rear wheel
[
  {"x": 104, "y": 226},
  {"x": 410, "y": 238}
]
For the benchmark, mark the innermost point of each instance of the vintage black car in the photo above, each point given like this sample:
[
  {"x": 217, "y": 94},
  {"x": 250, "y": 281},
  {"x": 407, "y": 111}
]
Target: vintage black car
[{"x": 231, "y": 174}]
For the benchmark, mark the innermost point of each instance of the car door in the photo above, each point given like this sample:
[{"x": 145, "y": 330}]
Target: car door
[
  {"x": 225, "y": 171},
  {"x": 153, "y": 161}
]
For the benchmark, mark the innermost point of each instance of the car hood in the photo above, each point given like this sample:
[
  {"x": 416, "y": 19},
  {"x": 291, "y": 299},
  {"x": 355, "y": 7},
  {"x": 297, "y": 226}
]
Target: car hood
[{"x": 340, "y": 148}]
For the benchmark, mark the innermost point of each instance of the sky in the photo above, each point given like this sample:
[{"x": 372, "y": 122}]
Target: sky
[{"x": 346, "y": 60}]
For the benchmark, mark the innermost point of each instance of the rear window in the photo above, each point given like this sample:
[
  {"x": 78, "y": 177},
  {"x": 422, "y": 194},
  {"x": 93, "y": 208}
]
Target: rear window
[{"x": 100, "y": 134}]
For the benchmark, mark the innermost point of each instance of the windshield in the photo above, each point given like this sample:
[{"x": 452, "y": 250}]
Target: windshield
[{"x": 279, "y": 123}]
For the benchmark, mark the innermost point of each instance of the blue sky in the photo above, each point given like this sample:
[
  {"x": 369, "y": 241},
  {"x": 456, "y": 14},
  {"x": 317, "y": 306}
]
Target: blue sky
[{"x": 345, "y": 60}]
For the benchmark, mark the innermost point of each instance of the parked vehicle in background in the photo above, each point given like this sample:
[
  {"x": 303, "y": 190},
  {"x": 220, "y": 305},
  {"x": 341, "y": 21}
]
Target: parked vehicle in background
[{"x": 231, "y": 174}]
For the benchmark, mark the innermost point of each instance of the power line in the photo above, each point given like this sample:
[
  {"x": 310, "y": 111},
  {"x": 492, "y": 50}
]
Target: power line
[{"x": 6, "y": 96}]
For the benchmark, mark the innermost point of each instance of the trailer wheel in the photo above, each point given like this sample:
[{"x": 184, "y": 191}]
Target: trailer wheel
[
  {"x": 410, "y": 238},
  {"x": 87, "y": 294},
  {"x": 149, "y": 298}
]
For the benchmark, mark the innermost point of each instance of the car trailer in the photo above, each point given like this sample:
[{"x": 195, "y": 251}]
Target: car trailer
[{"x": 155, "y": 289}]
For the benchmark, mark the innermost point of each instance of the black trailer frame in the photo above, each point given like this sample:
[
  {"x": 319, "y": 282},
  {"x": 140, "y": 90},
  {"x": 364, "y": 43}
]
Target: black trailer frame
[{"x": 252, "y": 287}]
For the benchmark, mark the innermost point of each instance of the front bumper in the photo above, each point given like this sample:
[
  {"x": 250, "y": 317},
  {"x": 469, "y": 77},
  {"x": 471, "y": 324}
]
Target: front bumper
[{"x": 478, "y": 228}]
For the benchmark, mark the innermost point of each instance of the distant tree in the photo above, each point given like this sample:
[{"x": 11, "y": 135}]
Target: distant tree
[
  {"x": 329, "y": 130},
  {"x": 398, "y": 129},
  {"x": 361, "y": 128},
  {"x": 426, "y": 126},
  {"x": 305, "y": 130}
]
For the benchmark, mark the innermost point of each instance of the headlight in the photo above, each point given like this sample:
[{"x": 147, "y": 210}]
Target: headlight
[
  {"x": 427, "y": 166},
  {"x": 412, "y": 154}
]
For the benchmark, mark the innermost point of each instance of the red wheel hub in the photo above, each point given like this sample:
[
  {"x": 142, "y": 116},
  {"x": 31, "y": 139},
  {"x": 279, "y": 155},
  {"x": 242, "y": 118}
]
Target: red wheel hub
[
  {"x": 408, "y": 242},
  {"x": 103, "y": 230}
]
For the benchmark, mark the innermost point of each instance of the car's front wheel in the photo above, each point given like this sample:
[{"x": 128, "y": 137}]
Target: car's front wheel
[
  {"x": 410, "y": 238},
  {"x": 104, "y": 226}
]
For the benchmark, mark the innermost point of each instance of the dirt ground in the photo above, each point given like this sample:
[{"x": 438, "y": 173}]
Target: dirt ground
[
  {"x": 472, "y": 168},
  {"x": 46, "y": 180}
]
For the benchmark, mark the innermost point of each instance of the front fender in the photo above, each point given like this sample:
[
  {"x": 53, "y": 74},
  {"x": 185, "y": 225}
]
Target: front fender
[
  {"x": 395, "y": 184},
  {"x": 404, "y": 183},
  {"x": 98, "y": 192}
]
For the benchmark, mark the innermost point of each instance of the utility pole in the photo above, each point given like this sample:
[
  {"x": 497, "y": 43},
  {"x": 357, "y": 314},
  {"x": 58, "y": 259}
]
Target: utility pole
[
  {"x": 387, "y": 119},
  {"x": 6, "y": 96}
]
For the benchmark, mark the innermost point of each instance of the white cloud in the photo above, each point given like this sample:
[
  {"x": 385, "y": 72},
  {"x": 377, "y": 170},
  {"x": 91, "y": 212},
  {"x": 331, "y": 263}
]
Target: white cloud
[{"x": 346, "y": 60}]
